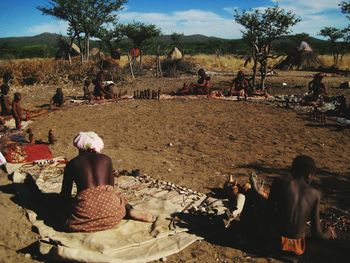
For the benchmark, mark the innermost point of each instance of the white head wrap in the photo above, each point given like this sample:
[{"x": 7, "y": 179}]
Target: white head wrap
[{"x": 88, "y": 141}]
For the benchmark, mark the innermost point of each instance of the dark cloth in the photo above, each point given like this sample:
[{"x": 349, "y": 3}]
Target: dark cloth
[{"x": 58, "y": 99}]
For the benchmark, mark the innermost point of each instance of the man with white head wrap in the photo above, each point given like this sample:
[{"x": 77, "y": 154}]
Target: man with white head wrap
[{"x": 96, "y": 206}]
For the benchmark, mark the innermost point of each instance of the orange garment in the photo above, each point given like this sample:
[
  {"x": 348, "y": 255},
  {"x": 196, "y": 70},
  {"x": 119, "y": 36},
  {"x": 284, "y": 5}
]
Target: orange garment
[
  {"x": 96, "y": 209},
  {"x": 296, "y": 246}
]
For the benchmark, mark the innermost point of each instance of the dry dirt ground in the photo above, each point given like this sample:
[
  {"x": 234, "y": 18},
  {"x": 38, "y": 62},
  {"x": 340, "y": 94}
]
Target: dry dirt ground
[{"x": 210, "y": 139}]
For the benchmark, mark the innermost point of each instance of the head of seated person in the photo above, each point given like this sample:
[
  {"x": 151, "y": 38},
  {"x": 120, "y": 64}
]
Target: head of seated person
[{"x": 303, "y": 167}]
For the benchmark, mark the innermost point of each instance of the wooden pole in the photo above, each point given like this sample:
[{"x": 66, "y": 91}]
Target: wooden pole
[{"x": 131, "y": 68}]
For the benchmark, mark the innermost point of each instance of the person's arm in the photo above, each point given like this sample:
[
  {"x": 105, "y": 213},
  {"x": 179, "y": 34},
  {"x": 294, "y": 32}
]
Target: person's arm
[
  {"x": 324, "y": 90},
  {"x": 110, "y": 173},
  {"x": 273, "y": 196},
  {"x": 316, "y": 230},
  {"x": 67, "y": 183},
  {"x": 16, "y": 114},
  {"x": 239, "y": 206},
  {"x": 310, "y": 86}
]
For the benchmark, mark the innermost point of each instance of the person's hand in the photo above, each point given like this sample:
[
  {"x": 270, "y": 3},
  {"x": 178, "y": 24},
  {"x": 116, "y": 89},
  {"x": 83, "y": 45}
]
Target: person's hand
[{"x": 332, "y": 233}]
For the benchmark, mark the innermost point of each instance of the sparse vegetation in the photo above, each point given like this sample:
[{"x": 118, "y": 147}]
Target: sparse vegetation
[{"x": 50, "y": 71}]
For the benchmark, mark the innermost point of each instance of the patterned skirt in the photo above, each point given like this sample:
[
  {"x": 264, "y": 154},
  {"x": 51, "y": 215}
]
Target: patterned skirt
[{"x": 96, "y": 209}]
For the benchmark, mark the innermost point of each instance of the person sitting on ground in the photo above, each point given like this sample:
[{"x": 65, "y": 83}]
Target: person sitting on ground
[
  {"x": 317, "y": 90},
  {"x": 86, "y": 90},
  {"x": 96, "y": 206},
  {"x": 109, "y": 94},
  {"x": 290, "y": 205},
  {"x": 202, "y": 87},
  {"x": 99, "y": 90},
  {"x": 236, "y": 201},
  {"x": 5, "y": 101},
  {"x": 17, "y": 110},
  {"x": 239, "y": 86},
  {"x": 185, "y": 90},
  {"x": 58, "y": 98}
]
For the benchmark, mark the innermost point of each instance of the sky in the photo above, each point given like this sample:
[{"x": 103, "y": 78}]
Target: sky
[{"x": 206, "y": 17}]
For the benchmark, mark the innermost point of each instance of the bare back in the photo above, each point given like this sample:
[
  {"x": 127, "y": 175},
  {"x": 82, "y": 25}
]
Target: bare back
[
  {"x": 87, "y": 170},
  {"x": 293, "y": 203}
]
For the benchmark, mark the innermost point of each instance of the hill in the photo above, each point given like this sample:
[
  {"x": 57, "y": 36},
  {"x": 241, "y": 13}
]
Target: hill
[{"x": 46, "y": 45}]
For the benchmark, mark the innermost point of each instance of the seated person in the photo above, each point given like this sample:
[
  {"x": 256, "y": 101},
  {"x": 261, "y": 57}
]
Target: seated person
[
  {"x": 17, "y": 111},
  {"x": 102, "y": 91},
  {"x": 202, "y": 87},
  {"x": 58, "y": 98},
  {"x": 291, "y": 203},
  {"x": 86, "y": 90},
  {"x": 109, "y": 94},
  {"x": 317, "y": 90},
  {"x": 96, "y": 206},
  {"x": 98, "y": 92},
  {"x": 236, "y": 199},
  {"x": 185, "y": 90},
  {"x": 5, "y": 101},
  {"x": 239, "y": 86}
]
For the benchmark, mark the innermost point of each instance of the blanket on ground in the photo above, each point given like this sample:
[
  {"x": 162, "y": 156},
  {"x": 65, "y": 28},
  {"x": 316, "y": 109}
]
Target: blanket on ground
[
  {"x": 130, "y": 241},
  {"x": 18, "y": 153},
  {"x": 96, "y": 209}
]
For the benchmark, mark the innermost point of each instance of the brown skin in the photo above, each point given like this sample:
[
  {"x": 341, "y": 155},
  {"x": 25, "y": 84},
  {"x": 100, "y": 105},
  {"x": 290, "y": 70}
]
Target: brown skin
[
  {"x": 294, "y": 202},
  {"x": 5, "y": 105},
  {"x": 17, "y": 110},
  {"x": 89, "y": 170}
]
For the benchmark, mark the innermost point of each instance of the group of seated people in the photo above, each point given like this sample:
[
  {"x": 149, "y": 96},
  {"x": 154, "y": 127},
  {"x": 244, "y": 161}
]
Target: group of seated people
[
  {"x": 239, "y": 87},
  {"x": 278, "y": 219}
]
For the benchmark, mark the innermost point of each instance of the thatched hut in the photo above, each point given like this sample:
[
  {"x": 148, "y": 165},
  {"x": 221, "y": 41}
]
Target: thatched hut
[
  {"x": 174, "y": 55},
  {"x": 302, "y": 58}
]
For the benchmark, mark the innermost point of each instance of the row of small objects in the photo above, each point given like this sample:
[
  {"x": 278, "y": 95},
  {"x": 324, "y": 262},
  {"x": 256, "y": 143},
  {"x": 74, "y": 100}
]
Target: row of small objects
[
  {"x": 169, "y": 186},
  {"x": 147, "y": 94}
]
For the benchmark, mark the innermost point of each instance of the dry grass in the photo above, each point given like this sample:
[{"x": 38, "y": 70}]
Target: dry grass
[
  {"x": 48, "y": 71},
  {"x": 327, "y": 60},
  {"x": 45, "y": 71}
]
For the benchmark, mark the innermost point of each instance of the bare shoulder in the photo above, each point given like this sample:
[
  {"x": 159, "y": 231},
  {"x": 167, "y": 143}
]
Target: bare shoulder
[
  {"x": 314, "y": 194},
  {"x": 89, "y": 157}
]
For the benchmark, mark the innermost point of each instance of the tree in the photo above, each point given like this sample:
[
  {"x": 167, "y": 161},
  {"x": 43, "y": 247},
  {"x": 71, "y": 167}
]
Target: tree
[
  {"x": 85, "y": 18},
  {"x": 345, "y": 8},
  {"x": 334, "y": 35},
  {"x": 176, "y": 38},
  {"x": 109, "y": 36},
  {"x": 138, "y": 32},
  {"x": 261, "y": 29}
]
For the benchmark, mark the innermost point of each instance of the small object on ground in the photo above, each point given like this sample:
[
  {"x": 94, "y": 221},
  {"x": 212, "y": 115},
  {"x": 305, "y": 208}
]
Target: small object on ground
[
  {"x": 284, "y": 84},
  {"x": 51, "y": 137},
  {"x": 345, "y": 85},
  {"x": 30, "y": 135},
  {"x": 135, "y": 172}
]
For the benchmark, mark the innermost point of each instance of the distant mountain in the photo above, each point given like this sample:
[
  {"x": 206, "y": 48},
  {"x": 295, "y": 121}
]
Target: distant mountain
[
  {"x": 46, "y": 45},
  {"x": 42, "y": 39}
]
